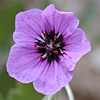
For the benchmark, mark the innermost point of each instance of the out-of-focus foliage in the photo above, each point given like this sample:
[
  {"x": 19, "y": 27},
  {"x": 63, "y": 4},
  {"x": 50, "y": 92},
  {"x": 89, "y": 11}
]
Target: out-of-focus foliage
[
  {"x": 44, "y": 3},
  {"x": 87, "y": 20},
  {"x": 1, "y": 98},
  {"x": 6, "y": 83},
  {"x": 7, "y": 17},
  {"x": 24, "y": 92},
  {"x": 7, "y": 25}
]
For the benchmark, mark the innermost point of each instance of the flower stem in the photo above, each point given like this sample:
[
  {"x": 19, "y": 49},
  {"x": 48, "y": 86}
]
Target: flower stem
[
  {"x": 57, "y": 95},
  {"x": 50, "y": 97},
  {"x": 69, "y": 92}
]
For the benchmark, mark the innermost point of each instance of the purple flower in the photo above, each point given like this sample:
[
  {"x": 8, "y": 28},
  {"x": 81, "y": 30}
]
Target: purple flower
[{"x": 47, "y": 46}]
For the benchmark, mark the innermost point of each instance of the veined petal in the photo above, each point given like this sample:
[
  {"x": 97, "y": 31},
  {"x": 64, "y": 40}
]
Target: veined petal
[
  {"x": 67, "y": 62},
  {"x": 62, "y": 22},
  {"x": 65, "y": 75},
  {"x": 24, "y": 39},
  {"x": 28, "y": 26},
  {"x": 65, "y": 23},
  {"x": 77, "y": 45},
  {"x": 53, "y": 78},
  {"x": 24, "y": 64},
  {"x": 48, "y": 15}
]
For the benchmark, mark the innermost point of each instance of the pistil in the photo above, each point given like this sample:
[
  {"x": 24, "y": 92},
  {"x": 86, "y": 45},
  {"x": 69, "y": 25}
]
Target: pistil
[
  {"x": 45, "y": 35},
  {"x": 49, "y": 47}
]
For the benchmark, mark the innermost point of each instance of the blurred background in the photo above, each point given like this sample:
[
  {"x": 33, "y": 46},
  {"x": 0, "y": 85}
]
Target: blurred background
[{"x": 86, "y": 81}]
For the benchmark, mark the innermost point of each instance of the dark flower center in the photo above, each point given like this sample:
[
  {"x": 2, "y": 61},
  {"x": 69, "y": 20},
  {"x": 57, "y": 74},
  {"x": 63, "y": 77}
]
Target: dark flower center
[{"x": 51, "y": 46}]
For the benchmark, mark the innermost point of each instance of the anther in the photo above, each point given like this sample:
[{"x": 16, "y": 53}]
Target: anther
[
  {"x": 56, "y": 52},
  {"x": 35, "y": 45},
  {"x": 45, "y": 34},
  {"x": 41, "y": 57},
  {"x": 44, "y": 56},
  {"x": 55, "y": 36}
]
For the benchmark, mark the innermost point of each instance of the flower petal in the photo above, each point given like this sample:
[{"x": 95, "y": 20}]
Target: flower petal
[
  {"x": 28, "y": 27},
  {"x": 77, "y": 45},
  {"x": 67, "y": 62},
  {"x": 47, "y": 15},
  {"x": 53, "y": 78},
  {"x": 65, "y": 23},
  {"x": 24, "y": 64},
  {"x": 62, "y": 22}
]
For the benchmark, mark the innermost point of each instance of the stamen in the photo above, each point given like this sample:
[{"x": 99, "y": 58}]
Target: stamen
[
  {"x": 35, "y": 45},
  {"x": 55, "y": 36},
  {"x": 56, "y": 52},
  {"x": 61, "y": 51},
  {"x": 44, "y": 56},
  {"x": 45, "y": 34},
  {"x": 41, "y": 57},
  {"x": 57, "y": 45},
  {"x": 51, "y": 41},
  {"x": 49, "y": 47}
]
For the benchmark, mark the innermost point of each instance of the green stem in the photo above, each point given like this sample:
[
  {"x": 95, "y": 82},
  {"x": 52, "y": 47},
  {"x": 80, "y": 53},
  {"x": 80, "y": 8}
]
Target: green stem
[
  {"x": 69, "y": 92},
  {"x": 50, "y": 97},
  {"x": 57, "y": 95}
]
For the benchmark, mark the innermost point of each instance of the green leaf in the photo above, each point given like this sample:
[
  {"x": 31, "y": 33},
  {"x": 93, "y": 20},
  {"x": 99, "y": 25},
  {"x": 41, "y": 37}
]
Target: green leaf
[{"x": 24, "y": 92}]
